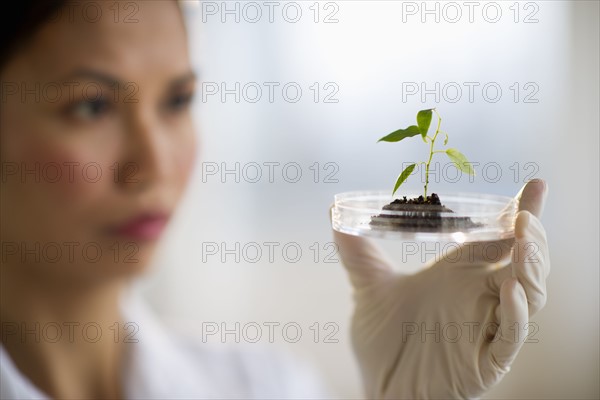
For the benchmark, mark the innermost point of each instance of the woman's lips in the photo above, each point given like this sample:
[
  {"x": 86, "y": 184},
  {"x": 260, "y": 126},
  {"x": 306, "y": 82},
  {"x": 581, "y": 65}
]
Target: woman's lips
[{"x": 143, "y": 227}]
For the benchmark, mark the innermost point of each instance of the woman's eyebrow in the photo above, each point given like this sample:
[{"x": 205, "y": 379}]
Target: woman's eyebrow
[
  {"x": 101, "y": 77},
  {"x": 93, "y": 75},
  {"x": 182, "y": 80}
]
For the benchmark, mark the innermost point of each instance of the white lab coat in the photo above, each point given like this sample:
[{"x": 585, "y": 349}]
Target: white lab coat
[{"x": 166, "y": 366}]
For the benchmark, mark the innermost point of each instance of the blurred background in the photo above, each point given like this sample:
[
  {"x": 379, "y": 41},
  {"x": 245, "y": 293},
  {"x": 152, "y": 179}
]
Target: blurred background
[{"x": 293, "y": 100}]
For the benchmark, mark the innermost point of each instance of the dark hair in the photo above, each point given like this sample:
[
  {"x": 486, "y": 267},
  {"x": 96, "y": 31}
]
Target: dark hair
[{"x": 21, "y": 21}]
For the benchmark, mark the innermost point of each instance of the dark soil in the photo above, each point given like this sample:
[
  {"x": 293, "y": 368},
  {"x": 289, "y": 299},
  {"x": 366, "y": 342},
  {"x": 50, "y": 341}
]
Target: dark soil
[{"x": 421, "y": 214}]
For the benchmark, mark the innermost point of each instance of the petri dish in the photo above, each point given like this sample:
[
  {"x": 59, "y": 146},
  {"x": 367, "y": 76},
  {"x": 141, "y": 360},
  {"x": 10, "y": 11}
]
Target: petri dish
[{"x": 467, "y": 217}]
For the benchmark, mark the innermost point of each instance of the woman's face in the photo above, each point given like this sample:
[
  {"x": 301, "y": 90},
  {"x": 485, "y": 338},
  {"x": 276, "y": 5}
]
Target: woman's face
[{"x": 97, "y": 141}]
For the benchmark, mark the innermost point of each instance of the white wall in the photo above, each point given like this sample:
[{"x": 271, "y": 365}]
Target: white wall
[{"x": 369, "y": 54}]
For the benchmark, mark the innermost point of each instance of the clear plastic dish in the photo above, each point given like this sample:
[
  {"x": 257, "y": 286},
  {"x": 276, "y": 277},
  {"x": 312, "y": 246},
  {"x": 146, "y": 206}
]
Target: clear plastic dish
[{"x": 488, "y": 217}]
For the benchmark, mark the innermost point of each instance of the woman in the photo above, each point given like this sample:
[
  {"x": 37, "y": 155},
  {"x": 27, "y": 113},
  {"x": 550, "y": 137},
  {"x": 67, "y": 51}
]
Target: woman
[{"x": 97, "y": 145}]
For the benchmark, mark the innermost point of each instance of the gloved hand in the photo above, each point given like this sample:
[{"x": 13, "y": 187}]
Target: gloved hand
[{"x": 453, "y": 329}]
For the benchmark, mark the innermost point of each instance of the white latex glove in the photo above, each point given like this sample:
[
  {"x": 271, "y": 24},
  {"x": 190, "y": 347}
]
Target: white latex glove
[{"x": 487, "y": 302}]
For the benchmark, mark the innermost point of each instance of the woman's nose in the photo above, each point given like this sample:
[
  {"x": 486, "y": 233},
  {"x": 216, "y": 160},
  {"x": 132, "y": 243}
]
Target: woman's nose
[{"x": 145, "y": 161}]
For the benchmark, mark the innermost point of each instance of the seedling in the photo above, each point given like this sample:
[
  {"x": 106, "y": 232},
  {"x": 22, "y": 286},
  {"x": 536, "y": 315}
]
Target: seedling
[{"x": 422, "y": 128}]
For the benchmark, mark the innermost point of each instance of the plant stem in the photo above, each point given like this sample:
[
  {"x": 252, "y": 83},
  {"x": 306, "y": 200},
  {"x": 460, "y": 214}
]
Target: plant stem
[{"x": 431, "y": 152}]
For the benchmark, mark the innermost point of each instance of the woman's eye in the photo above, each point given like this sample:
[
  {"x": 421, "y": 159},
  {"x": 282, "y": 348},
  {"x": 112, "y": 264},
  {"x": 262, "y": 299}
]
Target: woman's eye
[
  {"x": 87, "y": 110},
  {"x": 180, "y": 101}
]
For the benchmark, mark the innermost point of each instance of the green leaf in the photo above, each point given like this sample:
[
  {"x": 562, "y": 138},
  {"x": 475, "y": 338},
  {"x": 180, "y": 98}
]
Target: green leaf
[
  {"x": 400, "y": 134},
  {"x": 405, "y": 174},
  {"x": 446, "y": 139},
  {"x": 460, "y": 161},
  {"x": 424, "y": 120}
]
